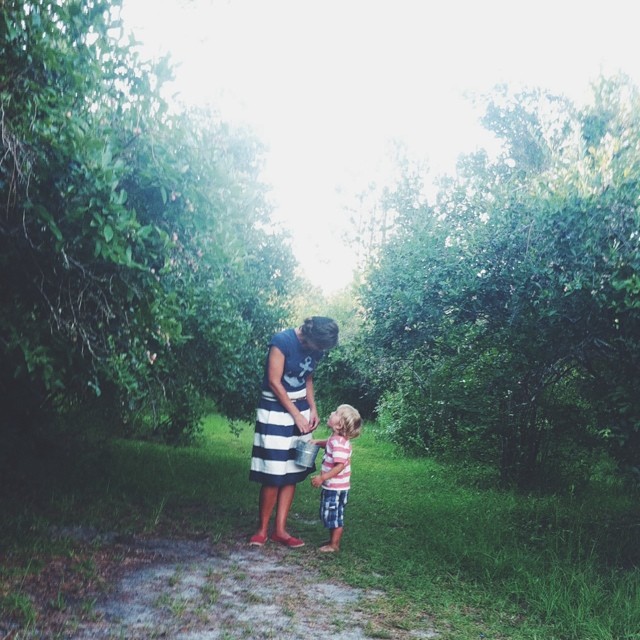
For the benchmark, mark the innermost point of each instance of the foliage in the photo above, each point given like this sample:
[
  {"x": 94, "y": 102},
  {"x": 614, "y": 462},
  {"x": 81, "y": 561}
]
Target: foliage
[
  {"x": 506, "y": 313},
  {"x": 138, "y": 269}
]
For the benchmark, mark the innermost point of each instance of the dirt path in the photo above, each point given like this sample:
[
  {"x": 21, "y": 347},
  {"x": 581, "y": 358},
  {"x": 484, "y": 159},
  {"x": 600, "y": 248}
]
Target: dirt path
[
  {"x": 134, "y": 588},
  {"x": 191, "y": 590}
]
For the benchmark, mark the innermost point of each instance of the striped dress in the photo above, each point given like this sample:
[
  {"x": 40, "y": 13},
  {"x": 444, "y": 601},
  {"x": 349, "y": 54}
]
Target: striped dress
[{"x": 276, "y": 435}]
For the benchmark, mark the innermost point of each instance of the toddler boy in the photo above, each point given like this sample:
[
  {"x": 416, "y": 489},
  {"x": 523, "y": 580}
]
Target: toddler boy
[{"x": 335, "y": 477}]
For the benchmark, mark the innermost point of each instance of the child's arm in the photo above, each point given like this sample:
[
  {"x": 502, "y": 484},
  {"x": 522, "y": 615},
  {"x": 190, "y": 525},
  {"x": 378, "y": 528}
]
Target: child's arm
[
  {"x": 317, "y": 481},
  {"x": 319, "y": 443}
]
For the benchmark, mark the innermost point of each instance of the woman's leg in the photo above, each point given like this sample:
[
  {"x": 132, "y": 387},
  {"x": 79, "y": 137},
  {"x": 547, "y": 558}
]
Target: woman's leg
[
  {"x": 285, "y": 500},
  {"x": 268, "y": 499}
]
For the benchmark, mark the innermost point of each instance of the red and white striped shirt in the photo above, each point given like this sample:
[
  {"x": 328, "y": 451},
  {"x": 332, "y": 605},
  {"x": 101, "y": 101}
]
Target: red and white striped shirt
[{"x": 337, "y": 450}]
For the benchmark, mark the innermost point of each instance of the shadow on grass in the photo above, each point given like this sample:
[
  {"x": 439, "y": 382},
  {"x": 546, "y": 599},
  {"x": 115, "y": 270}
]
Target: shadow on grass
[{"x": 131, "y": 487}]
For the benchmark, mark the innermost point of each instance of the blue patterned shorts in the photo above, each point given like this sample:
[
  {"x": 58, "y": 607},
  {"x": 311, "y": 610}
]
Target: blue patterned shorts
[{"x": 332, "y": 504}]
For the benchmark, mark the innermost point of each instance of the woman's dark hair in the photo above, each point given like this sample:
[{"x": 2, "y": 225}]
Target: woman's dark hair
[{"x": 321, "y": 332}]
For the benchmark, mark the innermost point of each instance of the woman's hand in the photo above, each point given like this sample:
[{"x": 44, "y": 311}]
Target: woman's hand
[
  {"x": 304, "y": 426},
  {"x": 314, "y": 421}
]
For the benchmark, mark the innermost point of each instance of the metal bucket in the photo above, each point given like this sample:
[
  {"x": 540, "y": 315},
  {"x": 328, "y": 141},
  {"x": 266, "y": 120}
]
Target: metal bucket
[{"x": 306, "y": 453}]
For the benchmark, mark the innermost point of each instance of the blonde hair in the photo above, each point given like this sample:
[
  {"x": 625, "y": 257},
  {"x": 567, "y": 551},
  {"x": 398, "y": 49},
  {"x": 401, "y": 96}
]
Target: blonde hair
[{"x": 350, "y": 421}]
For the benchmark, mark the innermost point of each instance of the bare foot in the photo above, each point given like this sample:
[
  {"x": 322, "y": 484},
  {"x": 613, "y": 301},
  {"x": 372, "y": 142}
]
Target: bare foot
[{"x": 328, "y": 548}]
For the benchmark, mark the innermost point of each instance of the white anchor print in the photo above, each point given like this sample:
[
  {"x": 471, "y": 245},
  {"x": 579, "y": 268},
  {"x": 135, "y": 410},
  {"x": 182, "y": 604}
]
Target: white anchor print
[{"x": 305, "y": 367}]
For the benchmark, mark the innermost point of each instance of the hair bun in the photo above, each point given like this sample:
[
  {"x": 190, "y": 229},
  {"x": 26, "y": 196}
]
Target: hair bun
[{"x": 321, "y": 331}]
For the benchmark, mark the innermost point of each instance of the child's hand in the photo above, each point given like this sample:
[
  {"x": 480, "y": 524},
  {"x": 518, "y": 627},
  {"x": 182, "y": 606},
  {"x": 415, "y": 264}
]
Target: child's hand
[{"x": 316, "y": 481}]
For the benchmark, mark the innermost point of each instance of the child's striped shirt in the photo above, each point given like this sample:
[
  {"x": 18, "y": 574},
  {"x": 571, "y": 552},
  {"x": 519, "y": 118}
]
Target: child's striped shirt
[{"x": 337, "y": 450}]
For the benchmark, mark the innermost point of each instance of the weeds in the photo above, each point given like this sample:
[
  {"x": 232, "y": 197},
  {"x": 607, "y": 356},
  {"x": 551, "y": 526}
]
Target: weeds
[
  {"x": 373, "y": 631},
  {"x": 210, "y": 594},
  {"x": 88, "y": 608},
  {"x": 177, "y": 576},
  {"x": 18, "y": 606},
  {"x": 59, "y": 603}
]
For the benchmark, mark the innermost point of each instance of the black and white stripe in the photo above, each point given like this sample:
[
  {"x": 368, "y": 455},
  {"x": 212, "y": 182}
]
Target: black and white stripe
[{"x": 275, "y": 439}]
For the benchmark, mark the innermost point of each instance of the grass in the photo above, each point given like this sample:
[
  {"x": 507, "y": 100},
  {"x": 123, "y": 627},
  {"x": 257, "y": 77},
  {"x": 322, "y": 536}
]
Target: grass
[{"x": 477, "y": 561}]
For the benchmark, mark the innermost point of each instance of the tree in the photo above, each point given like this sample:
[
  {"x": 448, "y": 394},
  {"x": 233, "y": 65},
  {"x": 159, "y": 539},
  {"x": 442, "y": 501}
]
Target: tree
[
  {"x": 508, "y": 307},
  {"x": 134, "y": 246}
]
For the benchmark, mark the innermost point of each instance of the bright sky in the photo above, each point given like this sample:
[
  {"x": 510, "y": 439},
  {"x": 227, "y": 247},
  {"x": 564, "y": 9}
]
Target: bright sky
[{"x": 327, "y": 84}]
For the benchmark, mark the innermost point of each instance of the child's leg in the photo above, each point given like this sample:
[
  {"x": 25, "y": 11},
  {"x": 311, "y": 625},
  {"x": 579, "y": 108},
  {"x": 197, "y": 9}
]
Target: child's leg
[
  {"x": 334, "y": 542},
  {"x": 333, "y": 518}
]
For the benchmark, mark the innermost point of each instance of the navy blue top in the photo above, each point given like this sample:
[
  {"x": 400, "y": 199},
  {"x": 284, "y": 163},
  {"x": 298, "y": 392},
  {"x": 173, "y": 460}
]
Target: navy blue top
[{"x": 299, "y": 362}]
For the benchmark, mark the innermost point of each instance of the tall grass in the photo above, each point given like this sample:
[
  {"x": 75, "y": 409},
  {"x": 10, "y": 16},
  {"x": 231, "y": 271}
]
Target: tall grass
[
  {"x": 547, "y": 567},
  {"x": 436, "y": 537}
]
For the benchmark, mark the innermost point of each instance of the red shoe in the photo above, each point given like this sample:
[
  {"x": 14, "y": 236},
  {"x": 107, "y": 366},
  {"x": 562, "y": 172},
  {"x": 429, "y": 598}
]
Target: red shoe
[
  {"x": 291, "y": 542},
  {"x": 257, "y": 540}
]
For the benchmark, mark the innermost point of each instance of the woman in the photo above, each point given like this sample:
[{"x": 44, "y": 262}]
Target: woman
[{"x": 287, "y": 410}]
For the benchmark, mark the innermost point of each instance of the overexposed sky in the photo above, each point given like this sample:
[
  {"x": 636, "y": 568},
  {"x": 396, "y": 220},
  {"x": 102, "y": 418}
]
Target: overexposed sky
[{"x": 327, "y": 84}]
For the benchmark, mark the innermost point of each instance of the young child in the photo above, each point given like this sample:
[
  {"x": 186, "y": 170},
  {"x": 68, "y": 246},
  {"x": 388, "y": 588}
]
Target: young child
[{"x": 345, "y": 423}]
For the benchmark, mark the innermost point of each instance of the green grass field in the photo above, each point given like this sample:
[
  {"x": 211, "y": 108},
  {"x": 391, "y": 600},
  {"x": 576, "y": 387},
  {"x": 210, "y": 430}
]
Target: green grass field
[{"x": 481, "y": 563}]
